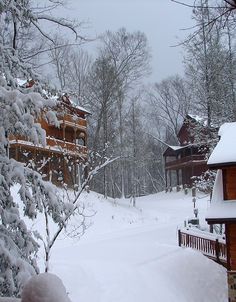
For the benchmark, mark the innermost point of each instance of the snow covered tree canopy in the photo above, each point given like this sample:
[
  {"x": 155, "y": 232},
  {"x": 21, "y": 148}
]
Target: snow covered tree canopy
[
  {"x": 17, "y": 246},
  {"x": 22, "y": 38}
]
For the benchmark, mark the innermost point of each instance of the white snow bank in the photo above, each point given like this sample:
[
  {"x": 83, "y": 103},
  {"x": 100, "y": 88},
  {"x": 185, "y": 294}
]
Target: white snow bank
[
  {"x": 131, "y": 254},
  {"x": 44, "y": 288}
]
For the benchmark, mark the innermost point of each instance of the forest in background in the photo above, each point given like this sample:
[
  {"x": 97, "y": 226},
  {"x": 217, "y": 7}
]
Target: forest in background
[{"x": 130, "y": 117}]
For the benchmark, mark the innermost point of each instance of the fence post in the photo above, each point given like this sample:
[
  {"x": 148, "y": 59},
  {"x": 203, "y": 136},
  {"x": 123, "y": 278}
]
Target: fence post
[
  {"x": 217, "y": 247},
  {"x": 179, "y": 237}
]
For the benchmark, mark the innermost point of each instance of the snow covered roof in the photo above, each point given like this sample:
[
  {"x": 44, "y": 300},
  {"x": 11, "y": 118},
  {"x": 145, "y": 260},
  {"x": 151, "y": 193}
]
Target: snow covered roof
[
  {"x": 82, "y": 109},
  {"x": 220, "y": 209},
  {"x": 175, "y": 148},
  {"x": 21, "y": 82},
  {"x": 225, "y": 151},
  {"x": 200, "y": 119}
]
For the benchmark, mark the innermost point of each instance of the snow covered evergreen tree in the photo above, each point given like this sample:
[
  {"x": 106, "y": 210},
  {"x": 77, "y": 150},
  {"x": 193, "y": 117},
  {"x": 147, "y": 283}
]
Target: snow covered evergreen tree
[{"x": 19, "y": 108}]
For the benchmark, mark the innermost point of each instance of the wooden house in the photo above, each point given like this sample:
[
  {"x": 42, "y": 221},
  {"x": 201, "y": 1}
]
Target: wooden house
[
  {"x": 187, "y": 159},
  {"x": 66, "y": 145},
  {"x": 223, "y": 204}
]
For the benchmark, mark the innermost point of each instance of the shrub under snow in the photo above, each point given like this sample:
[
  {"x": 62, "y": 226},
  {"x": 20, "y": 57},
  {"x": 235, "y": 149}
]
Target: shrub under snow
[{"x": 44, "y": 287}]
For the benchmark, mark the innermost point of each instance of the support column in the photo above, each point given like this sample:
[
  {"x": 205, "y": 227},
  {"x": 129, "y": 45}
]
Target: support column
[
  {"x": 64, "y": 132},
  {"x": 49, "y": 177},
  {"x": 16, "y": 153},
  {"x": 75, "y": 135},
  {"x": 177, "y": 176},
  {"x": 231, "y": 286},
  {"x": 166, "y": 179},
  {"x": 170, "y": 177}
]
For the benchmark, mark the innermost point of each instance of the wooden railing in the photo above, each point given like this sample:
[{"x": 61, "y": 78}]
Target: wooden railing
[
  {"x": 52, "y": 144},
  {"x": 68, "y": 146},
  {"x": 211, "y": 247},
  {"x": 184, "y": 161},
  {"x": 70, "y": 120}
]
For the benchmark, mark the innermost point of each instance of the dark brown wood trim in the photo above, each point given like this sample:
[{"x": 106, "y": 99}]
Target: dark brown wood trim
[
  {"x": 220, "y": 220},
  {"x": 221, "y": 165},
  {"x": 224, "y": 179},
  {"x": 227, "y": 241}
]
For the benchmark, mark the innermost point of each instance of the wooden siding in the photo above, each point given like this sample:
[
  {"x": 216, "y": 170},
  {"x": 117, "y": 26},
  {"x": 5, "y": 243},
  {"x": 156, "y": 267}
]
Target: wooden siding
[
  {"x": 229, "y": 183},
  {"x": 231, "y": 245},
  {"x": 184, "y": 134}
]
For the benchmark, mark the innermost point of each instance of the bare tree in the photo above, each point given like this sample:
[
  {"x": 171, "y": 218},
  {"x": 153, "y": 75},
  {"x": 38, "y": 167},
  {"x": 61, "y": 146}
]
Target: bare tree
[
  {"x": 128, "y": 54},
  {"x": 72, "y": 65},
  {"x": 170, "y": 102},
  {"x": 208, "y": 69}
]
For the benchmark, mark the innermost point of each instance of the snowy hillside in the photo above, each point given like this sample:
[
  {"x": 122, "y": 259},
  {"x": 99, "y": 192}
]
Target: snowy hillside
[{"x": 131, "y": 254}]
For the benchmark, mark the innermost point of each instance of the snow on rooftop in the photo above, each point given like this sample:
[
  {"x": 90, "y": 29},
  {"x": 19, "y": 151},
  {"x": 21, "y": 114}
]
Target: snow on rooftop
[
  {"x": 82, "y": 109},
  {"x": 175, "y": 148},
  {"x": 219, "y": 207},
  {"x": 200, "y": 119},
  {"x": 225, "y": 150},
  {"x": 21, "y": 82}
]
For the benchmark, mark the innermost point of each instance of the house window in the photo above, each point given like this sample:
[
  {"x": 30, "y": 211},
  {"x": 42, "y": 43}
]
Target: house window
[
  {"x": 229, "y": 183},
  {"x": 80, "y": 141}
]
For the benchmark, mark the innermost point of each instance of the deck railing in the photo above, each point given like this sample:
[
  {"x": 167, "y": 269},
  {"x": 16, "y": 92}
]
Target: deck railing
[
  {"x": 184, "y": 161},
  {"x": 68, "y": 146},
  {"x": 207, "y": 244},
  {"x": 52, "y": 144},
  {"x": 69, "y": 120}
]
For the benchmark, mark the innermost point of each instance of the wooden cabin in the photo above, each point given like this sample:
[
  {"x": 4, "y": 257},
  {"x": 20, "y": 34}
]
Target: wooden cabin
[
  {"x": 60, "y": 160},
  {"x": 223, "y": 204},
  {"x": 187, "y": 159}
]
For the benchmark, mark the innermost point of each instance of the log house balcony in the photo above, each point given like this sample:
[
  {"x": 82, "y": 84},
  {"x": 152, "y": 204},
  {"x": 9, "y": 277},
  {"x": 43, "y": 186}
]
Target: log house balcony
[
  {"x": 191, "y": 160},
  {"x": 52, "y": 145},
  {"x": 70, "y": 121}
]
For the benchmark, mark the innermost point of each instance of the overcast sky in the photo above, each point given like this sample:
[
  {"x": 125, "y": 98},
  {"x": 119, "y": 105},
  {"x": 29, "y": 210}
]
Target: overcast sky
[{"x": 160, "y": 20}]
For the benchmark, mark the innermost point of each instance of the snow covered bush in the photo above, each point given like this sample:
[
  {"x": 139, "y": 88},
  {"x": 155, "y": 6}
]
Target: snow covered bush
[
  {"x": 44, "y": 288},
  {"x": 205, "y": 182}
]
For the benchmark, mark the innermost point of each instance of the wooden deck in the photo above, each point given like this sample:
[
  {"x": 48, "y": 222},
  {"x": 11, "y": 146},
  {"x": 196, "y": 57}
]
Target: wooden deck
[
  {"x": 209, "y": 246},
  {"x": 52, "y": 145}
]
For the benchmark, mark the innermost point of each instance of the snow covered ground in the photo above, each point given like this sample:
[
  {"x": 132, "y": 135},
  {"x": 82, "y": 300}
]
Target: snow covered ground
[{"x": 131, "y": 254}]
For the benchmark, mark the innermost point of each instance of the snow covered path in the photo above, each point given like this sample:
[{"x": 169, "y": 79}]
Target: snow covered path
[{"x": 131, "y": 255}]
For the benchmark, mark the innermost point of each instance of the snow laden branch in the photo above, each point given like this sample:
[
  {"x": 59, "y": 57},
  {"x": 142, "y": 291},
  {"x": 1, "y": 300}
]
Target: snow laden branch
[
  {"x": 21, "y": 24},
  {"x": 220, "y": 13},
  {"x": 194, "y": 5},
  {"x": 18, "y": 248},
  {"x": 63, "y": 23},
  {"x": 73, "y": 207}
]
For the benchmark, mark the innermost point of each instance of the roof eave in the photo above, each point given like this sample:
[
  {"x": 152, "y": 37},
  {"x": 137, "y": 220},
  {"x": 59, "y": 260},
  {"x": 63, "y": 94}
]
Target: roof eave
[
  {"x": 216, "y": 166},
  {"x": 220, "y": 220}
]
